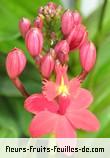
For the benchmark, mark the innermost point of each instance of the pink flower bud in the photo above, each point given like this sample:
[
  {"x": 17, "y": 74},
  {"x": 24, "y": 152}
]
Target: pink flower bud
[
  {"x": 87, "y": 56},
  {"x": 47, "y": 65},
  {"x": 77, "y": 37},
  {"x": 52, "y": 5},
  {"x": 38, "y": 22},
  {"x": 24, "y": 26},
  {"x": 38, "y": 59},
  {"x": 67, "y": 22},
  {"x": 62, "y": 50},
  {"x": 77, "y": 18},
  {"x": 40, "y": 11},
  {"x": 15, "y": 63},
  {"x": 34, "y": 41}
]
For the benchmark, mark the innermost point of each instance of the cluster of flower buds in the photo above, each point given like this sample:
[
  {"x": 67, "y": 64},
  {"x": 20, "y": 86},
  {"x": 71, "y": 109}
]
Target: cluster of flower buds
[
  {"x": 50, "y": 10},
  {"x": 74, "y": 36},
  {"x": 73, "y": 30}
]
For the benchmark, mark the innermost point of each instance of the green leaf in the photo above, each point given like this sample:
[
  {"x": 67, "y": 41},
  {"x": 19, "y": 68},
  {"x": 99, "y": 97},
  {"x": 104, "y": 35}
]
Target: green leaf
[
  {"x": 92, "y": 23},
  {"x": 8, "y": 126},
  {"x": 14, "y": 120},
  {"x": 106, "y": 20},
  {"x": 23, "y": 118}
]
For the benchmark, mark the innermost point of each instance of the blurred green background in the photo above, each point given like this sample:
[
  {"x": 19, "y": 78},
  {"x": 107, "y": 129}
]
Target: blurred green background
[{"x": 14, "y": 120}]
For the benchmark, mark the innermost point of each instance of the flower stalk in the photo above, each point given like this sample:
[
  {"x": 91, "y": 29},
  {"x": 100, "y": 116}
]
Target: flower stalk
[
  {"x": 83, "y": 76},
  {"x": 19, "y": 85}
]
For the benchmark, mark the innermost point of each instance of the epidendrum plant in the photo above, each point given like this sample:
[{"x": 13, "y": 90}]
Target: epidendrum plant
[{"x": 62, "y": 106}]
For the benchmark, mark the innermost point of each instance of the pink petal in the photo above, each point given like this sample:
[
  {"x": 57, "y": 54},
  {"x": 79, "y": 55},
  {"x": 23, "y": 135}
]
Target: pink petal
[
  {"x": 63, "y": 102},
  {"x": 82, "y": 100},
  {"x": 46, "y": 122},
  {"x": 37, "y": 102},
  {"x": 64, "y": 129},
  {"x": 43, "y": 123},
  {"x": 74, "y": 85},
  {"x": 61, "y": 71},
  {"x": 49, "y": 90},
  {"x": 83, "y": 119}
]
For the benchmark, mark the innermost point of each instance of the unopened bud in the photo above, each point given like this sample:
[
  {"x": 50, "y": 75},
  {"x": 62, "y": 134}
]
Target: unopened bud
[
  {"x": 47, "y": 65},
  {"x": 62, "y": 50},
  {"x": 77, "y": 37},
  {"x": 77, "y": 18},
  {"x": 67, "y": 22},
  {"x": 38, "y": 22},
  {"x": 38, "y": 59},
  {"x": 15, "y": 63},
  {"x": 34, "y": 41},
  {"x": 87, "y": 56},
  {"x": 24, "y": 26},
  {"x": 52, "y": 5},
  {"x": 40, "y": 11}
]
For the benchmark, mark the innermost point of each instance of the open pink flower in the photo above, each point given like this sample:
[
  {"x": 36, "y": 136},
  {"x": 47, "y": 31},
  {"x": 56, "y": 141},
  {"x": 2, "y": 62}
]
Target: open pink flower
[
  {"x": 63, "y": 86},
  {"x": 62, "y": 117},
  {"x": 65, "y": 112}
]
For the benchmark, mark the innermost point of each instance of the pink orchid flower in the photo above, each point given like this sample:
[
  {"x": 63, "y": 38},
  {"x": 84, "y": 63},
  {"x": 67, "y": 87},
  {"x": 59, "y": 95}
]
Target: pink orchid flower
[
  {"x": 62, "y": 108},
  {"x": 62, "y": 86}
]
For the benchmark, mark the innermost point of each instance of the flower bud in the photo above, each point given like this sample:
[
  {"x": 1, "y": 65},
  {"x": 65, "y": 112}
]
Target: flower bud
[
  {"x": 77, "y": 18},
  {"x": 77, "y": 37},
  {"x": 62, "y": 50},
  {"x": 15, "y": 63},
  {"x": 34, "y": 41},
  {"x": 47, "y": 65},
  {"x": 40, "y": 11},
  {"x": 52, "y": 5},
  {"x": 67, "y": 22},
  {"x": 38, "y": 59},
  {"x": 87, "y": 56},
  {"x": 38, "y": 22},
  {"x": 24, "y": 26}
]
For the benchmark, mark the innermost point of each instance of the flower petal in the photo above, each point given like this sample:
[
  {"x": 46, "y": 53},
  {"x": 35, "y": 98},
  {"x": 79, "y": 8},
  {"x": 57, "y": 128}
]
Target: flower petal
[
  {"x": 64, "y": 129},
  {"x": 37, "y": 102},
  {"x": 82, "y": 100},
  {"x": 46, "y": 122},
  {"x": 83, "y": 119},
  {"x": 49, "y": 90},
  {"x": 74, "y": 85},
  {"x": 43, "y": 124},
  {"x": 61, "y": 72},
  {"x": 63, "y": 102}
]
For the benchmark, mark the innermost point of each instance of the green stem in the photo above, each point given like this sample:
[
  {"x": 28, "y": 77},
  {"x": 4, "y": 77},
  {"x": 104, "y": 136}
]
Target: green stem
[
  {"x": 100, "y": 24},
  {"x": 102, "y": 15},
  {"x": 18, "y": 84}
]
